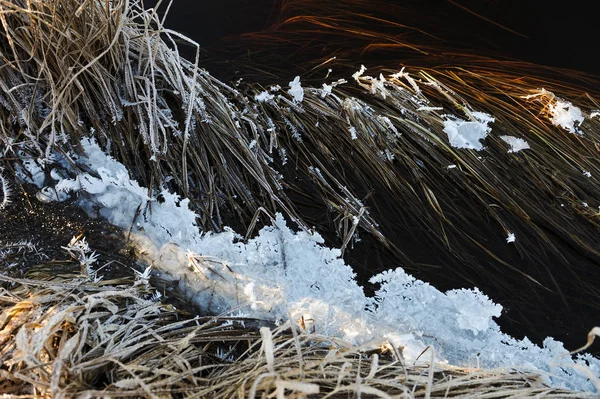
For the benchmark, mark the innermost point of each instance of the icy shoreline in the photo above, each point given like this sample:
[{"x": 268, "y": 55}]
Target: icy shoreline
[{"x": 282, "y": 274}]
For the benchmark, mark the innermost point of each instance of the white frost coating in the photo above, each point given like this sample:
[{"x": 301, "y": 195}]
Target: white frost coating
[
  {"x": 516, "y": 144},
  {"x": 281, "y": 272},
  {"x": 359, "y": 73},
  {"x": 36, "y": 174},
  {"x": 427, "y": 109},
  {"x": 478, "y": 316},
  {"x": 467, "y": 134},
  {"x": 566, "y": 115},
  {"x": 119, "y": 198},
  {"x": 264, "y": 96},
  {"x": 326, "y": 90},
  {"x": 511, "y": 238},
  {"x": 401, "y": 74},
  {"x": 296, "y": 91},
  {"x": 374, "y": 85},
  {"x": 352, "y": 131}
]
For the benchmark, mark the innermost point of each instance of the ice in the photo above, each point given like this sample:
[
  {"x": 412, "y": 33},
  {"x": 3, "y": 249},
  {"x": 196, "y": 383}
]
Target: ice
[
  {"x": 264, "y": 96},
  {"x": 566, "y": 115},
  {"x": 516, "y": 144},
  {"x": 468, "y": 134},
  {"x": 31, "y": 171},
  {"x": 283, "y": 274},
  {"x": 5, "y": 190},
  {"x": 326, "y": 90},
  {"x": 296, "y": 90}
]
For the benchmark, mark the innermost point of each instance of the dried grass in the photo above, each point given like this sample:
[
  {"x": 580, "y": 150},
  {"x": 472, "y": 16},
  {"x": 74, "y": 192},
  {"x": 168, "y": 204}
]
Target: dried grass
[
  {"x": 78, "y": 339},
  {"x": 109, "y": 68},
  {"x": 112, "y": 69}
]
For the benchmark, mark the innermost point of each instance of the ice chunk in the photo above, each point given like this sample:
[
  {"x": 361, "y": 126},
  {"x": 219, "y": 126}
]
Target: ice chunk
[
  {"x": 264, "y": 96},
  {"x": 516, "y": 144},
  {"x": 511, "y": 238},
  {"x": 566, "y": 115},
  {"x": 468, "y": 134},
  {"x": 296, "y": 91}
]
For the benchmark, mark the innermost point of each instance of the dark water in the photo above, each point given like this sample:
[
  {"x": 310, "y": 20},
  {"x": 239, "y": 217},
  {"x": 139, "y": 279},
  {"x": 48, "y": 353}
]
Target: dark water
[
  {"x": 531, "y": 31},
  {"x": 535, "y": 31},
  {"x": 49, "y": 227}
]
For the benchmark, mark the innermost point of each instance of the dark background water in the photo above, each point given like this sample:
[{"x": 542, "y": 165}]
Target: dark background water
[
  {"x": 538, "y": 31},
  {"x": 532, "y": 31}
]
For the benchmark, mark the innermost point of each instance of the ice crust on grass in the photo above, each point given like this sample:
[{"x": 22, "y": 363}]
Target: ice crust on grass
[
  {"x": 516, "y": 144},
  {"x": 264, "y": 96},
  {"x": 566, "y": 115},
  {"x": 281, "y": 274},
  {"x": 468, "y": 134},
  {"x": 562, "y": 113}
]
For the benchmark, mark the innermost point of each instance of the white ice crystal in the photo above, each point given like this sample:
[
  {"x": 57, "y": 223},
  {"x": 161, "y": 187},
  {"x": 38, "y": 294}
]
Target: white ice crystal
[
  {"x": 264, "y": 96},
  {"x": 566, "y": 115},
  {"x": 516, "y": 144},
  {"x": 296, "y": 90},
  {"x": 511, "y": 238},
  {"x": 468, "y": 134}
]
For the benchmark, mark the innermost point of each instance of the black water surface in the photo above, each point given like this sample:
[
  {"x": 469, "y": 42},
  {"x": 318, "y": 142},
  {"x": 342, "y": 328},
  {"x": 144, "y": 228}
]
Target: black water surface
[
  {"x": 50, "y": 227},
  {"x": 537, "y": 31}
]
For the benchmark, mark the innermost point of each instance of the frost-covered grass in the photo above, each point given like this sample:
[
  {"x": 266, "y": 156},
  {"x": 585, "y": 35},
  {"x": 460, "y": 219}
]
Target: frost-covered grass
[
  {"x": 110, "y": 340},
  {"x": 6, "y": 190},
  {"x": 283, "y": 275},
  {"x": 470, "y": 156}
]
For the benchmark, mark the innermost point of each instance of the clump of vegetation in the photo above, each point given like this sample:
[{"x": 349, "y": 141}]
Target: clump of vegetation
[
  {"x": 79, "y": 338},
  {"x": 369, "y": 159}
]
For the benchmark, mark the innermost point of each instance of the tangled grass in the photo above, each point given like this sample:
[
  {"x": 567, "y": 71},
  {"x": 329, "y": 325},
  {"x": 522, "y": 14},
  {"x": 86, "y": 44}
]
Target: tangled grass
[
  {"x": 369, "y": 157},
  {"x": 80, "y": 339},
  {"x": 69, "y": 328}
]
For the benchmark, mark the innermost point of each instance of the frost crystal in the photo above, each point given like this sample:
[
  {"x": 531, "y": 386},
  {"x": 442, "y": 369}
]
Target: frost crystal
[
  {"x": 296, "y": 91},
  {"x": 516, "y": 144},
  {"x": 467, "y": 134},
  {"x": 566, "y": 115},
  {"x": 5, "y": 190},
  {"x": 326, "y": 90},
  {"x": 511, "y": 238},
  {"x": 264, "y": 96}
]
